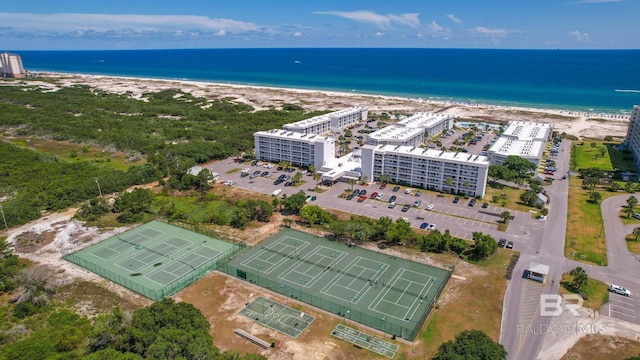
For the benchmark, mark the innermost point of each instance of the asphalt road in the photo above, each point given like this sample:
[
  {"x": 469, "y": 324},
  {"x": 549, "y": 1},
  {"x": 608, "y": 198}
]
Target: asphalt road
[{"x": 520, "y": 326}]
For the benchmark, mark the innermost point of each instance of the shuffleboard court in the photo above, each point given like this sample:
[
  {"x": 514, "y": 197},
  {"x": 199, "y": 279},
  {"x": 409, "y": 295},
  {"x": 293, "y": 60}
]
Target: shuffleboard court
[
  {"x": 155, "y": 259},
  {"x": 271, "y": 314},
  {"x": 378, "y": 290}
]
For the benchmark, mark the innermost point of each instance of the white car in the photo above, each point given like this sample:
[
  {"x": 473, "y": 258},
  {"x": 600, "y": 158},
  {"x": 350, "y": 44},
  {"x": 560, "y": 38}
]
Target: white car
[
  {"x": 408, "y": 191},
  {"x": 619, "y": 290},
  {"x": 404, "y": 219},
  {"x": 431, "y": 227},
  {"x": 430, "y": 207},
  {"x": 380, "y": 196}
]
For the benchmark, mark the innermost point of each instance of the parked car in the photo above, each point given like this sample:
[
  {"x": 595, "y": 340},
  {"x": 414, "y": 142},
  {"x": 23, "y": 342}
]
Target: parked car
[
  {"x": 408, "y": 191},
  {"x": 619, "y": 290},
  {"x": 362, "y": 198},
  {"x": 472, "y": 202},
  {"x": 430, "y": 206},
  {"x": 356, "y": 192},
  {"x": 424, "y": 225},
  {"x": 502, "y": 242},
  {"x": 404, "y": 219},
  {"x": 363, "y": 192},
  {"x": 254, "y": 163},
  {"x": 374, "y": 195},
  {"x": 485, "y": 205},
  {"x": 288, "y": 183},
  {"x": 380, "y": 196},
  {"x": 456, "y": 199},
  {"x": 418, "y": 193},
  {"x": 350, "y": 196},
  {"x": 636, "y": 215},
  {"x": 431, "y": 227},
  {"x": 392, "y": 199},
  {"x": 509, "y": 245},
  {"x": 396, "y": 188},
  {"x": 417, "y": 203},
  {"x": 392, "y": 205},
  {"x": 383, "y": 185},
  {"x": 406, "y": 208}
]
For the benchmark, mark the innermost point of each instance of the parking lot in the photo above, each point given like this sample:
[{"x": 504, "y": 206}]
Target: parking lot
[{"x": 459, "y": 218}]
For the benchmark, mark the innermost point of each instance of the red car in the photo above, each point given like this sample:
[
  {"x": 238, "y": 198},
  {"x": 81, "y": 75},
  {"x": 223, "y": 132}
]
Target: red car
[
  {"x": 373, "y": 196},
  {"x": 383, "y": 185},
  {"x": 362, "y": 198}
]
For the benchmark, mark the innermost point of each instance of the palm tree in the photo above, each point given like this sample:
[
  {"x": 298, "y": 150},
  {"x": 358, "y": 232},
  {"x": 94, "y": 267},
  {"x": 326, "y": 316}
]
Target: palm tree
[
  {"x": 312, "y": 169},
  {"x": 467, "y": 184},
  {"x": 352, "y": 182},
  {"x": 384, "y": 178},
  {"x": 449, "y": 182},
  {"x": 505, "y": 216},
  {"x": 595, "y": 197},
  {"x": 632, "y": 201},
  {"x": 364, "y": 179},
  {"x": 317, "y": 178}
]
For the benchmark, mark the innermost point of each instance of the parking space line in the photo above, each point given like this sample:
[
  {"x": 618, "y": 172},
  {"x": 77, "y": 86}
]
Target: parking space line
[{"x": 622, "y": 313}]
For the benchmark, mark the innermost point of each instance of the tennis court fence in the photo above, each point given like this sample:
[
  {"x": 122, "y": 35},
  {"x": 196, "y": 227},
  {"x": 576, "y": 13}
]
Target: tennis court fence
[
  {"x": 384, "y": 324},
  {"x": 159, "y": 293}
]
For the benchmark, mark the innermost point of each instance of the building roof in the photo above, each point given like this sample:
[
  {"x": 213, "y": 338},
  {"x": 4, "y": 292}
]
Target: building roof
[
  {"x": 293, "y": 135},
  {"x": 395, "y": 133},
  {"x": 538, "y": 268},
  {"x": 303, "y": 124},
  {"x": 423, "y": 120},
  {"x": 523, "y": 148},
  {"x": 522, "y": 130},
  {"x": 460, "y": 157}
]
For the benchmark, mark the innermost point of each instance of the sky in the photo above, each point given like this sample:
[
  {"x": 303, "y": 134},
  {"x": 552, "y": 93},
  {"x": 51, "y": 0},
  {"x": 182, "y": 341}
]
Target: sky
[{"x": 159, "y": 24}]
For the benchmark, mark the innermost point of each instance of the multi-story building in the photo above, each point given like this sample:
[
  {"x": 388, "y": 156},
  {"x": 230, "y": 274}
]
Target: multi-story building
[
  {"x": 432, "y": 124},
  {"x": 333, "y": 121},
  {"x": 11, "y": 65},
  {"x": 632, "y": 141},
  {"x": 396, "y": 135},
  {"x": 297, "y": 148},
  {"x": 459, "y": 173},
  {"x": 524, "y": 139}
]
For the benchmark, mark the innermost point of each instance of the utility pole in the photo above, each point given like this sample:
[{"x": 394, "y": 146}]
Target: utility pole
[{"x": 99, "y": 190}]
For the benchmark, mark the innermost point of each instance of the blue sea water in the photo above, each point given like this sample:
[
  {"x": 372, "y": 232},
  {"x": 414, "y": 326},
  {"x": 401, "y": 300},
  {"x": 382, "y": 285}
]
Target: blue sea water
[{"x": 582, "y": 80}]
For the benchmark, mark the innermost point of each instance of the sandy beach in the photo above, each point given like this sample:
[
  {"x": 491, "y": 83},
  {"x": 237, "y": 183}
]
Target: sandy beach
[{"x": 581, "y": 124}]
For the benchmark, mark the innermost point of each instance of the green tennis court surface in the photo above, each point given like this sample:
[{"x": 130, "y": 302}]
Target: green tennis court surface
[
  {"x": 375, "y": 289},
  {"x": 276, "y": 316},
  {"x": 365, "y": 341},
  {"x": 154, "y": 259}
]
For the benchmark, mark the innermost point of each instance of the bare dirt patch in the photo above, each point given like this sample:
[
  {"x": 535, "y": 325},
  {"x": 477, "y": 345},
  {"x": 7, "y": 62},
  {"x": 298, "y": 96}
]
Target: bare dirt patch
[{"x": 602, "y": 347}]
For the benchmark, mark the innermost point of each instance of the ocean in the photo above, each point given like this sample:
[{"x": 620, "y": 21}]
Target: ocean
[{"x": 602, "y": 81}]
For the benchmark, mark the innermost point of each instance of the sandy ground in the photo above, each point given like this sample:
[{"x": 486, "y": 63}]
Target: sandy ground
[
  {"x": 565, "y": 331},
  {"x": 586, "y": 125}
]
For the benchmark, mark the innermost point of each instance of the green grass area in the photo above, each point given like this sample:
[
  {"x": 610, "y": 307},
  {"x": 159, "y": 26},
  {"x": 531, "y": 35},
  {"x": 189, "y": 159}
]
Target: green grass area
[
  {"x": 589, "y": 157},
  {"x": 626, "y": 220},
  {"x": 116, "y": 160},
  {"x": 509, "y": 197},
  {"x": 596, "y": 291},
  {"x": 585, "y": 236},
  {"x": 482, "y": 293},
  {"x": 233, "y": 171},
  {"x": 632, "y": 244}
]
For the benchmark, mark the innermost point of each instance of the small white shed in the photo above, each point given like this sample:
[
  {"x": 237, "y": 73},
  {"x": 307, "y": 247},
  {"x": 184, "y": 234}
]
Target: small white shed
[{"x": 538, "y": 272}]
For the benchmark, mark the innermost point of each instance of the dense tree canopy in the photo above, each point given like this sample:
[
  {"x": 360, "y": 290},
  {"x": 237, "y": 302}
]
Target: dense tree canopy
[{"x": 471, "y": 345}]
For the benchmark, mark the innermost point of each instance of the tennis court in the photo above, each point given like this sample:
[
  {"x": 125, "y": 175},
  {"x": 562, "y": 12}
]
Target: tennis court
[
  {"x": 276, "y": 316},
  {"x": 375, "y": 289},
  {"x": 155, "y": 259}
]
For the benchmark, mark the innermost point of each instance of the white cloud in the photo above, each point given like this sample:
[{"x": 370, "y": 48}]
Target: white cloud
[
  {"x": 490, "y": 32},
  {"x": 381, "y": 21},
  {"x": 297, "y": 34},
  {"x": 66, "y": 23},
  {"x": 435, "y": 27},
  {"x": 378, "y": 34},
  {"x": 454, "y": 19},
  {"x": 581, "y": 37}
]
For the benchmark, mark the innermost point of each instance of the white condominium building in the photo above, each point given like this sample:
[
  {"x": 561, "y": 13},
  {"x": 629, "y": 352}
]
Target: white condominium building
[
  {"x": 11, "y": 65},
  {"x": 430, "y": 169},
  {"x": 329, "y": 122},
  {"x": 396, "y": 135},
  {"x": 297, "y": 148},
  {"x": 432, "y": 124},
  {"x": 524, "y": 139},
  {"x": 632, "y": 141}
]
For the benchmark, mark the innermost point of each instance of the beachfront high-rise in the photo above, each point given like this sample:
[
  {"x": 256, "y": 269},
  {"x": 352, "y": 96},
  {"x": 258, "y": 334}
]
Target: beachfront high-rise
[
  {"x": 451, "y": 172},
  {"x": 11, "y": 65},
  {"x": 334, "y": 121},
  {"x": 632, "y": 141},
  {"x": 297, "y": 148},
  {"x": 524, "y": 139}
]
